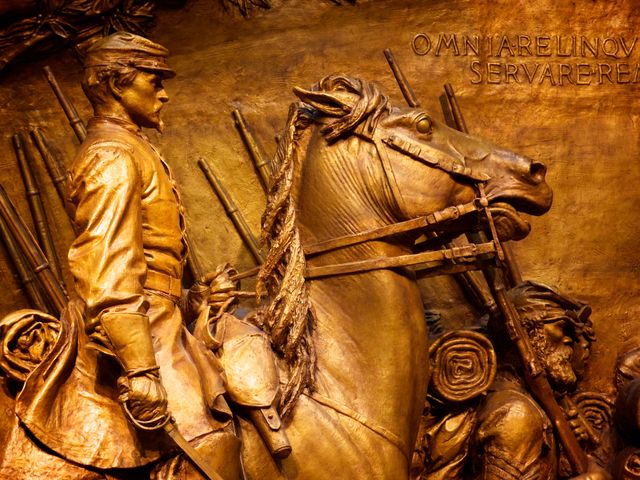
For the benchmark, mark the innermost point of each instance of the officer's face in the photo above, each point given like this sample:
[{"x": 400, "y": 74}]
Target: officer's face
[{"x": 144, "y": 98}]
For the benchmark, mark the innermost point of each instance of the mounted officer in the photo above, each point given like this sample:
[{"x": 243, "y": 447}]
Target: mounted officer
[{"x": 133, "y": 348}]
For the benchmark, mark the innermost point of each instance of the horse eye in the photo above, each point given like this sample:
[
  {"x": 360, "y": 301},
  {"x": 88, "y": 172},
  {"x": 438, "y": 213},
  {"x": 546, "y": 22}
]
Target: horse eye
[{"x": 423, "y": 125}]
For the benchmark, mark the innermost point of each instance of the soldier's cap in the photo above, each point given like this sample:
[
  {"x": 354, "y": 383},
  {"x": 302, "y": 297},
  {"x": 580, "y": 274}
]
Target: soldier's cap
[
  {"x": 548, "y": 305},
  {"x": 126, "y": 49}
]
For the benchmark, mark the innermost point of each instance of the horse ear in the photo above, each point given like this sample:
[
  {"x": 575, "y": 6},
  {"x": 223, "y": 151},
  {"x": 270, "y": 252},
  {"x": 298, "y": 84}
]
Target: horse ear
[{"x": 335, "y": 104}]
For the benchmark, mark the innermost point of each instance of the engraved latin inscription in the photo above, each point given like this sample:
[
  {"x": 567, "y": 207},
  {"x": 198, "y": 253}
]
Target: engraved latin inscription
[{"x": 540, "y": 59}]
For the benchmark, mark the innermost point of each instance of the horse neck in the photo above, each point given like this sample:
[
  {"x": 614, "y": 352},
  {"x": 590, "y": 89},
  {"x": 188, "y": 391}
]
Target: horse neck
[
  {"x": 342, "y": 190},
  {"x": 366, "y": 321}
]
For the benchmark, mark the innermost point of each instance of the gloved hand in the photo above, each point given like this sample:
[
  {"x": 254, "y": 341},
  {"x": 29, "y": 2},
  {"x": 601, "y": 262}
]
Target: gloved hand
[
  {"x": 198, "y": 297},
  {"x": 144, "y": 396},
  {"x": 213, "y": 290},
  {"x": 140, "y": 388}
]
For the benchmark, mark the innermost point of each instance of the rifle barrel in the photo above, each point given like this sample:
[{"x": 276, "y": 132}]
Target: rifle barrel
[
  {"x": 55, "y": 167},
  {"x": 403, "y": 83},
  {"x": 255, "y": 152},
  {"x": 232, "y": 211},
  {"x": 36, "y": 259},
  {"x": 41, "y": 223},
  {"x": 30, "y": 284},
  {"x": 70, "y": 111},
  {"x": 514, "y": 275},
  {"x": 468, "y": 282},
  {"x": 461, "y": 125},
  {"x": 535, "y": 375}
]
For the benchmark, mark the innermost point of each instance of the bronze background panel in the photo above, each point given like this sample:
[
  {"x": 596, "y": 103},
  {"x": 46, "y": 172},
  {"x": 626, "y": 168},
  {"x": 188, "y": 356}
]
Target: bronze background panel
[{"x": 586, "y": 134}]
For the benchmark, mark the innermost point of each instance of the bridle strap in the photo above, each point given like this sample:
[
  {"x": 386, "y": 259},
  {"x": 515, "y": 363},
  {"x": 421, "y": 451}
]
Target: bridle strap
[
  {"x": 435, "y": 158},
  {"x": 492, "y": 225},
  {"x": 465, "y": 254},
  {"x": 389, "y": 174},
  {"x": 425, "y": 223},
  {"x": 454, "y": 254}
]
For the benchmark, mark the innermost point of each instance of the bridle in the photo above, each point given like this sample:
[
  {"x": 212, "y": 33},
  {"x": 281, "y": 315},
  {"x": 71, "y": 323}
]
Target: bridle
[{"x": 452, "y": 259}]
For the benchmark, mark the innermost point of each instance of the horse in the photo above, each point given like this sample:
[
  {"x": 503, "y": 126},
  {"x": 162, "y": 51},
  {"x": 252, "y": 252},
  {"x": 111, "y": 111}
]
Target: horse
[
  {"x": 353, "y": 346},
  {"x": 355, "y": 343}
]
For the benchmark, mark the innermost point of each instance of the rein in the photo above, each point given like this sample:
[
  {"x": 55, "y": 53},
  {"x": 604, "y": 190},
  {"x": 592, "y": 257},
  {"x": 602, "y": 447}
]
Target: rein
[
  {"x": 436, "y": 261},
  {"x": 427, "y": 222}
]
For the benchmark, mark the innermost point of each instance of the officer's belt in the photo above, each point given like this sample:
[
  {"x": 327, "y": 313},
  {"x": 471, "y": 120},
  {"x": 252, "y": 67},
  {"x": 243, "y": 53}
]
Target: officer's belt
[{"x": 163, "y": 283}]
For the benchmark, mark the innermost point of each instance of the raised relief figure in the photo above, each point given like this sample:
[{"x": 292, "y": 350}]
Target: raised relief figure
[
  {"x": 129, "y": 256},
  {"x": 627, "y": 464},
  {"x": 356, "y": 182},
  {"x": 514, "y": 437},
  {"x": 508, "y": 435},
  {"x": 351, "y": 172},
  {"x": 136, "y": 363}
]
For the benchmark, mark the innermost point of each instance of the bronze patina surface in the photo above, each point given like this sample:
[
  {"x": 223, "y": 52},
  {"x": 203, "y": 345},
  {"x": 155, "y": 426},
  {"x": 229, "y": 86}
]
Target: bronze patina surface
[{"x": 557, "y": 82}]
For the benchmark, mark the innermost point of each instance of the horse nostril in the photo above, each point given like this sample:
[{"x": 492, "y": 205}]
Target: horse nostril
[{"x": 537, "y": 170}]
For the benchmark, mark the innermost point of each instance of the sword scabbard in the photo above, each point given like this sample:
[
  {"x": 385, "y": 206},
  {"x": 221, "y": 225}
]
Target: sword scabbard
[{"x": 191, "y": 453}]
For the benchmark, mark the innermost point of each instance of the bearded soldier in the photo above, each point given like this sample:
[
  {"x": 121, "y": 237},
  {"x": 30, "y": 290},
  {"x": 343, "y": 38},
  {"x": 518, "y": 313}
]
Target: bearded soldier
[
  {"x": 514, "y": 438},
  {"x": 507, "y": 435}
]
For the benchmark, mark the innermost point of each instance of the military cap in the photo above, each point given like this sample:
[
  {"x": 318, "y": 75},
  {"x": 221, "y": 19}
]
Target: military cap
[
  {"x": 545, "y": 304},
  {"x": 125, "y": 49}
]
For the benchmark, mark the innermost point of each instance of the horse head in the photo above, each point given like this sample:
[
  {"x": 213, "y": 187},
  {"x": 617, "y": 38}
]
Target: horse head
[
  {"x": 348, "y": 163},
  {"x": 428, "y": 166}
]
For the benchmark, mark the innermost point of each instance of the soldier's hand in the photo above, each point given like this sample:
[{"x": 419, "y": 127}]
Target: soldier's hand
[
  {"x": 577, "y": 425},
  {"x": 215, "y": 289},
  {"x": 222, "y": 287},
  {"x": 198, "y": 297},
  {"x": 594, "y": 472},
  {"x": 144, "y": 396}
]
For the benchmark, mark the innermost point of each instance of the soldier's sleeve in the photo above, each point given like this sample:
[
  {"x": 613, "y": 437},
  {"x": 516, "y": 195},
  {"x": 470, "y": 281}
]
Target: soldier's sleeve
[
  {"x": 511, "y": 438},
  {"x": 107, "y": 258}
]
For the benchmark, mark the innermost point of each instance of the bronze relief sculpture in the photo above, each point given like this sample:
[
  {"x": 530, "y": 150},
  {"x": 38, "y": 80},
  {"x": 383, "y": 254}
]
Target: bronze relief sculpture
[
  {"x": 505, "y": 433},
  {"x": 127, "y": 261},
  {"x": 360, "y": 158},
  {"x": 356, "y": 184}
]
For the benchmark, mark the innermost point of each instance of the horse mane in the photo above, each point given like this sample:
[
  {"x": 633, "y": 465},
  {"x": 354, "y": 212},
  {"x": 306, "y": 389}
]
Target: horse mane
[{"x": 288, "y": 317}]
